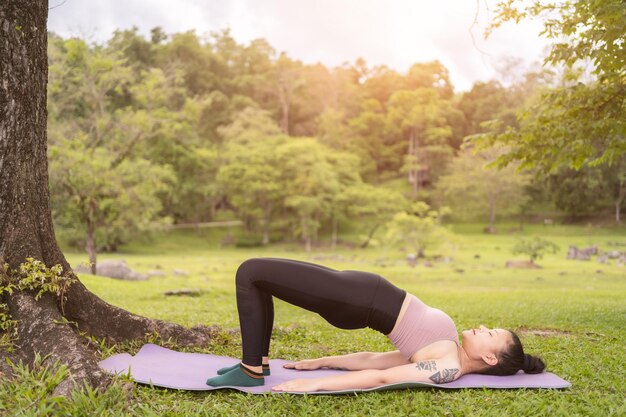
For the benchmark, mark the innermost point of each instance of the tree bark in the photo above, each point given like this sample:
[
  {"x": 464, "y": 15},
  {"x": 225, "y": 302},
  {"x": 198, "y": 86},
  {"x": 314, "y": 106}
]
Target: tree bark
[{"x": 47, "y": 326}]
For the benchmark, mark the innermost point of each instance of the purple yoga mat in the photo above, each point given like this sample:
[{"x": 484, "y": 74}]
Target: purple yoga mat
[{"x": 168, "y": 368}]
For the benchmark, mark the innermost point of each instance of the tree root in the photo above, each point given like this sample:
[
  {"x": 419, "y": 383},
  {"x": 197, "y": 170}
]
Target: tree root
[
  {"x": 41, "y": 329},
  {"x": 98, "y": 318},
  {"x": 51, "y": 328}
]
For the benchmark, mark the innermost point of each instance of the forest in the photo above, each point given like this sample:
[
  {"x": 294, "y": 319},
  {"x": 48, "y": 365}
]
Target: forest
[{"x": 178, "y": 129}]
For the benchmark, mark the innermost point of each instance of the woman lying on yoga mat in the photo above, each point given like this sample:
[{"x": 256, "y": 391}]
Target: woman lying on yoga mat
[{"x": 426, "y": 338}]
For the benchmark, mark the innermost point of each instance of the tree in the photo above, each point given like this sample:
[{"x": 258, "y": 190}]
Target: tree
[
  {"x": 578, "y": 192},
  {"x": 103, "y": 204},
  {"x": 366, "y": 137},
  {"x": 418, "y": 229},
  {"x": 288, "y": 80},
  {"x": 106, "y": 120},
  {"x": 417, "y": 115},
  {"x": 582, "y": 121},
  {"x": 589, "y": 189},
  {"x": 251, "y": 180},
  {"x": 535, "y": 248},
  {"x": 471, "y": 188},
  {"x": 51, "y": 325},
  {"x": 376, "y": 204},
  {"x": 346, "y": 167},
  {"x": 311, "y": 184}
]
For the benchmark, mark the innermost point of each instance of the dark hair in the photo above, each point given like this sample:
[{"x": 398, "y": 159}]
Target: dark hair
[{"x": 513, "y": 358}]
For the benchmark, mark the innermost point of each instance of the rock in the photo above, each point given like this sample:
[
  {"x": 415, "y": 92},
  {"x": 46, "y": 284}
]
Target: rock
[
  {"x": 477, "y": 256},
  {"x": 521, "y": 265},
  {"x": 581, "y": 254},
  {"x": 603, "y": 258},
  {"x": 111, "y": 268},
  {"x": 190, "y": 292},
  {"x": 180, "y": 273},
  {"x": 155, "y": 273},
  {"x": 614, "y": 254},
  {"x": 428, "y": 264},
  {"x": 411, "y": 259},
  {"x": 459, "y": 270}
]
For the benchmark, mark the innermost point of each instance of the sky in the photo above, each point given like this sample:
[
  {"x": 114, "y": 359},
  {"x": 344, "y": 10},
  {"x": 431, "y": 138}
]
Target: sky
[{"x": 395, "y": 33}]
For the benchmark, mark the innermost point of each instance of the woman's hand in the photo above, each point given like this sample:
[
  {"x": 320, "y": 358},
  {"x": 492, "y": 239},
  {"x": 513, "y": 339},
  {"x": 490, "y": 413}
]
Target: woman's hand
[
  {"x": 298, "y": 385},
  {"x": 306, "y": 364}
]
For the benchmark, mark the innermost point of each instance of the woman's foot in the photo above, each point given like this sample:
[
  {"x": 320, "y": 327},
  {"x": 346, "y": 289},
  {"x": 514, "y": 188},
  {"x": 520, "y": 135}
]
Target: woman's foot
[
  {"x": 240, "y": 376},
  {"x": 265, "y": 366}
]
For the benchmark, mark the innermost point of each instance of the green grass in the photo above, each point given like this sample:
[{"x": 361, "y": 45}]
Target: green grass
[{"x": 581, "y": 304}]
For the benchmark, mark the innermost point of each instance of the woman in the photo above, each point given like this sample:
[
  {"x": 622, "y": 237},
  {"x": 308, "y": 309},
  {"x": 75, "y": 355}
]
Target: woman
[{"x": 426, "y": 338}]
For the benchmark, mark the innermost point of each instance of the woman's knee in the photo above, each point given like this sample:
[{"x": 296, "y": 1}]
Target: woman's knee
[{"x": 247, "y": 270}]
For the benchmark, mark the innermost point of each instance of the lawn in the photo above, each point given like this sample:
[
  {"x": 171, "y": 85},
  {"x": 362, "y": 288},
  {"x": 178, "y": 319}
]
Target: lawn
[{"x": 572, "y": 313}]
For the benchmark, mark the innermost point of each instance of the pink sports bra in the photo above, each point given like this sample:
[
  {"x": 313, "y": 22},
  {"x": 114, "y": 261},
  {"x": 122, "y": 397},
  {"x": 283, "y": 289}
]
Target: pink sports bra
[{"x": 420, "y": 326}]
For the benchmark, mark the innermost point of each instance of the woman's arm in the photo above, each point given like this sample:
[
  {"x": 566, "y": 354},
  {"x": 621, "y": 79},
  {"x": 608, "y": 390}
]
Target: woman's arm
[
  {"x": 438, "y": 372},
  {"x": 353, "y": 361}
]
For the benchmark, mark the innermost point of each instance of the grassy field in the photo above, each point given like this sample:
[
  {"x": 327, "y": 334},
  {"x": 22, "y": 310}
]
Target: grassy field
[{"x": 573, "y": 313}]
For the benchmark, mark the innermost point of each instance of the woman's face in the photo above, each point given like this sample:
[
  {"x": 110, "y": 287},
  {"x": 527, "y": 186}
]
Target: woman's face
[{"x": 485, "y": 343}]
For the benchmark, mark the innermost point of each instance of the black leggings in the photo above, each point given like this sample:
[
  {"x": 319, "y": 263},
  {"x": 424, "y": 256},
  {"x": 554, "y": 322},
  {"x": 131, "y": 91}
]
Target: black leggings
[{"x": 346, "y": 299}]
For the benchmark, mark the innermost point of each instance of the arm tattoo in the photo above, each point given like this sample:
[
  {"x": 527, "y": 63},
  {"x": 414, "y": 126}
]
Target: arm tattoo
[
  {"x": 426, "y": 366},
  {"x": 446, "y": 375}
]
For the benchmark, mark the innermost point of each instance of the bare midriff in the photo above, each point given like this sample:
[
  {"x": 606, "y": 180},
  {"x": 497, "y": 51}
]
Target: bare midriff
[{"x": 405, "y": 305}]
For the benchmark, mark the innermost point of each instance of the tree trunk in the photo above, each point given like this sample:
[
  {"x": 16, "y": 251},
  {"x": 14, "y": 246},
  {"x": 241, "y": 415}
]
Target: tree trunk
[
  {"x": 90, "y": 246},
  {"x": 266, "y": 226},
  {"x": 369, "y": 236},
  {"x": 306, "y": 235},
  {"x": 618, "y": 202},
  {"x": 491, "y": 198},
  {"x": 26, "y": 222},
  {"x": 333, "y": 243},
  {"x": 414, "y": 172},
  {"x": 418, "y": 171},
  {"x": 284, "y": 96}
]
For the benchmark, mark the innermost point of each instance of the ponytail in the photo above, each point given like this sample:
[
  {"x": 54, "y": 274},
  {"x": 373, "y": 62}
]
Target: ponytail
[{"x": 533, "y": 364}]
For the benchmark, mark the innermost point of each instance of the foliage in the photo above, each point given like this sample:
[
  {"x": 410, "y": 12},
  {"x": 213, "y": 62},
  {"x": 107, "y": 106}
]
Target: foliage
[
  {"x": 201, "y": 116},
  {"x": 582, "y": 121},
  {"x": 472, "y": 189},
  {"x": 32, "y": 275},
  {"x": 535, "y": 248},
  {"x": 418, "y": 229},
  {"x": 89, "y": 195},
  {"x": 590, "y": 189}
]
